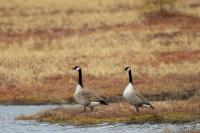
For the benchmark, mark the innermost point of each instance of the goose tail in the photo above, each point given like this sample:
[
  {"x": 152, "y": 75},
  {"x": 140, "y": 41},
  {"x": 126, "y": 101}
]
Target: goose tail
[
  {"x": 151, "y": 106},
  {"x": 103, "y": 102}
]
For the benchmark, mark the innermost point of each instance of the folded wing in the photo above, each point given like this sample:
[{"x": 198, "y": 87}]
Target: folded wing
[{"x": 92, "y": 97}]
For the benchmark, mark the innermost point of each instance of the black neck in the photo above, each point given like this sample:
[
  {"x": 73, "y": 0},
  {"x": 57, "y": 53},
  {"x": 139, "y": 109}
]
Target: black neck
[
  {"x": 130, "y": 77},
  {"x": 80, "y": 77}
]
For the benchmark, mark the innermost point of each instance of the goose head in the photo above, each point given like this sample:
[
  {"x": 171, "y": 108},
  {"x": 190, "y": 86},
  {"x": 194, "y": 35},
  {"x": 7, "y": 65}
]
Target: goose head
[
  {"x": 76, "y": 68},
  {"x": 127, "y": 69}
]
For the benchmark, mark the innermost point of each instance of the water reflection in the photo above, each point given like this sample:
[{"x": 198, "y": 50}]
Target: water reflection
[{"x": 8, "y": 124}]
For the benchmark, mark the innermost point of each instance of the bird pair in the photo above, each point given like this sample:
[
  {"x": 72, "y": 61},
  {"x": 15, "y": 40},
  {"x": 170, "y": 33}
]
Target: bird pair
[{"x": 87, "y": 98}]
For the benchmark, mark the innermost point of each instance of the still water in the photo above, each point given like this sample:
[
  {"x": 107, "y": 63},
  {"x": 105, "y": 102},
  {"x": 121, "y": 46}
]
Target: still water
[{"x": 8, "y": 124}]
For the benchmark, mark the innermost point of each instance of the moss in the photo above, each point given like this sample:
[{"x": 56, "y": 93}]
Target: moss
[
  {"x": 172, "y": 117},
  {"x": 93, "y": 120},
  {"x": 165, "y": 112},
  {"x": 86, "y": 120},
  {"x": 179, "y": 117}
]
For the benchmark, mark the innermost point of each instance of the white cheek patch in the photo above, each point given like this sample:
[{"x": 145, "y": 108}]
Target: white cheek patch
[
  {"x": 78, "y": 68},
  {"x": 128, "y": 69}
]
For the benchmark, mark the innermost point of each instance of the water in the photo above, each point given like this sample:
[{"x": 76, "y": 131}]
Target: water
[{"x": 8, "y": 124}]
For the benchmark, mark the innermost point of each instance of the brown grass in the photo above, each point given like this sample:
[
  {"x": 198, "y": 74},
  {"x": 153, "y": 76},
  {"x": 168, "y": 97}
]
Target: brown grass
[
  {"x": 39, "y": 43},
  {"x": 172, "y": 57},
  {"x": 169, "y": 111},
  {"x": 153, "y": 20},
  {"x": 60, "y": 89}
]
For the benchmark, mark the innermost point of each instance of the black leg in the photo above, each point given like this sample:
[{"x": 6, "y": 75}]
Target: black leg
[
  {"x": 91, "y": 108},
  {"x": 137, "y": 109},
  {"x": 85, "y": 108}
]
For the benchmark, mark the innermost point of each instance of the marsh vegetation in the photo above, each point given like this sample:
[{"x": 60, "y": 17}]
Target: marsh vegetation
[{"x": 41, "y": 40}]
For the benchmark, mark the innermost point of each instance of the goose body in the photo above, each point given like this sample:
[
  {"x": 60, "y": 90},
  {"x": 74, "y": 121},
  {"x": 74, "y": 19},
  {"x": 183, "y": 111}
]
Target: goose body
[
  {"x": 86, "y": 97},
  {"x": 132, "y": 96}
]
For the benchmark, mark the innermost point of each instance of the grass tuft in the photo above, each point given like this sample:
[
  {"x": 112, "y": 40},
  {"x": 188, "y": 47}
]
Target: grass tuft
[{"x": 165, "y": 112}]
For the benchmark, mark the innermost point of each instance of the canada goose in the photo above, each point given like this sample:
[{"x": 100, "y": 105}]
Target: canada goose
[
  {"x": 133, "y": 97},
  {"x": 86, "y": 97}
]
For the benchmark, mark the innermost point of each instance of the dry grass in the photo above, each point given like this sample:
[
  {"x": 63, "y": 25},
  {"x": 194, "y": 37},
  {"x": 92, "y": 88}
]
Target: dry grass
[
  {"x": 189, "y": 7},
  {"x": 41, "y": 40},
  {"x": 168, "y": 130},
  {"x": 22, "y": 16},
  {"x": 60, "y": 89},
  {"x": 169, "y": 111}
]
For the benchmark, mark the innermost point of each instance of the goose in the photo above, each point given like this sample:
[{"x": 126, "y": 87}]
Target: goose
[
  {"x": 84, "y": 96},
  {"x": 133, "y": 97}
]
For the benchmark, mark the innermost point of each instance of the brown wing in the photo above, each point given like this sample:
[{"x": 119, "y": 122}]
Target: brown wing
[
  {"x": 144, "y": 100},
  {"x": 93, "y": 97}
]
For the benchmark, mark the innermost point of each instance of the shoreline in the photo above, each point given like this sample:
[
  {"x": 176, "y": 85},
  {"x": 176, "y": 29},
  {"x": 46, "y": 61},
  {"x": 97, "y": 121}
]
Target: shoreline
[{"x": 165, "y": 112}]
